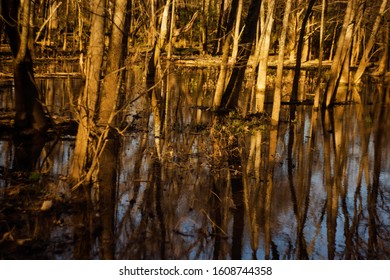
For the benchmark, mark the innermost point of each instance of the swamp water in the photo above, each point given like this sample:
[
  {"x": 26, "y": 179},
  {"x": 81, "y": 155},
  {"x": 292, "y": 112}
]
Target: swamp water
[{"x": 317, "y": 188}]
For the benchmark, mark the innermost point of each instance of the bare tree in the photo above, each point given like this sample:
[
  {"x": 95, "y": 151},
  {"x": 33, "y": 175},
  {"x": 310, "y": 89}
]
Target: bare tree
[
  {"x": 279, "y": 70},
  {"x": 294, "y": 93},
  {"x": 364, "y": 61},
  {"x": 343, "y": 48},
  {"x": 231, "y": 94},
  {"x": 87, "y": 102},
  {"x": 30, "y": 122},
  {"x": 261, "y": 54}
]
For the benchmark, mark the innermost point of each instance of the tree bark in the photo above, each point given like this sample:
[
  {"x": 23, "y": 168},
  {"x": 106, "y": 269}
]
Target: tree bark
[
  {"x": 29, "y": 113},
  {"x": 297, "y": 72},
  {"x": 154, "y": 61},
  {"x": 343, "y": 45},
  {"x": 364, "y": 61},
  {"x": 30, "y": 122},
  {"x": 264, "y": 46},
  {"x": 231, "y": 94},
  {"x": 320, "y": 56},
  {"x": 88, "y": 99},
  {"x": 204, "y": 25},
  {"x": 237, "y": 30},
  {"x": 220, "y": 87},
  {"x": 112, "y": 79},
  {"x": 279, "y": 70},
  {"x": 158, "y": 45}
]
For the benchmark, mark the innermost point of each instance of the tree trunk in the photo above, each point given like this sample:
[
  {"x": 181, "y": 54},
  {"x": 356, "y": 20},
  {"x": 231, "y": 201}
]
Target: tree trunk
[
  {"x": 225, "y": 26},
  {"x": 320, "y": 56},
  {"x": 237, "y": 30},
  {"x": 29, "y": 113},
  {"x": 158, "y": 45},
  {"x": 154, "y": 61},
  {"x": 231, "y": 94},
  {"x": 220, "y": 87},
  {"x": 221, "y": 83},
  {"x": 218, "y": 39},
  {"x": 364, "y": 61},
  {"x": 343, "y": 45},
  {"x": 279, "y": 70},
  {"x": 88, "y": 99},
  {"x": 171, "y": 29},
  {"x": 30, "y": 122},
  {"x": 204, "y": 25},
  {"x": 297, "y": 73},
  {"x": 383, "y": 62},
  {"x": 264, "y": 46},
  {"x": 112, "y": 79}
]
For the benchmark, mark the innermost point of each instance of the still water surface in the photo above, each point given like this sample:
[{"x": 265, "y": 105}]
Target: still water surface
[{"x": 323, "y": 193}]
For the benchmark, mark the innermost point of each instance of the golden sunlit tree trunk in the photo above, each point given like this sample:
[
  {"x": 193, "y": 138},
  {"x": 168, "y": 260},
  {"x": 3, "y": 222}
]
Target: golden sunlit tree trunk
[
  {"x": 237, "y": 30},
  {"x": 88, "y": 99},
  {"x": 107, "y": 122},
  {"x": 153, "y": 65},
  {"x": 279, "y": 70},
  {"x": 320, "y": 56},
  {"x": 297, "y": 71},
  {"x": 97, "y": 105},
  {"x": 221, "y": 83},
  {"x": 263, "y": 51},
  {"x": 112, "y": 79},
  {"x": 364, "y": 61},
  {"x": 343, "y": 49},
  {"x": 384, "y": 61},
  {"x": 171, "y": 29}
]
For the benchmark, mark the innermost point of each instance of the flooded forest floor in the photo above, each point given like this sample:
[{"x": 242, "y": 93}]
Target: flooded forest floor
[{"x": 314, "y": 188}]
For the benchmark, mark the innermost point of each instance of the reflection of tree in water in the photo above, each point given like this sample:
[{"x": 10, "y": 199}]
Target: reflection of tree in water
[{"x": 186, "y": 205}]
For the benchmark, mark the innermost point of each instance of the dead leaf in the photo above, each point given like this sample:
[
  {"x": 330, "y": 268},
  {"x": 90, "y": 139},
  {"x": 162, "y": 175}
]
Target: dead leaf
[{"x": 46, "y": 205}]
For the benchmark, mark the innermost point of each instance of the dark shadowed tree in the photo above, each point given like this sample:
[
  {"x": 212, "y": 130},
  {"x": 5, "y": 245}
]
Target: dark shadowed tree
[
  {"x": 231, "y": 94},
  {"x": 30, "y": 122}
]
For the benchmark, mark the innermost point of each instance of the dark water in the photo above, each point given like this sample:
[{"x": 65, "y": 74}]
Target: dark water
[{"x": 324, "y": 193}]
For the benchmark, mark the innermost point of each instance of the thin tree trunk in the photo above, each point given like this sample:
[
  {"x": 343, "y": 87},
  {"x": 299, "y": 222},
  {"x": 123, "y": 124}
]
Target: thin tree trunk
[
  {"x": 320, "y": 56},
  {"x": 297, "y": 71},
  {"x": 66, "y": 27},
  {"x": 158, "y": 45},
  {"x": 171, "y": 29},
  {"x": 221, "y": 83},
  {"x": 219, "y": 28},
  {"x": 231, "y": 94},
  {"x": 279, "y": 70},
  {"x": 150, "y": 77},
  {"x": 343, "y": 45},
  {"x": 204, "y": 25},
  {"x": 383, "y": 62},
  {"x": 364, "y": 61},
  {"x": 237, "y": 30},
  {"x": 264, "y": 46}
]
